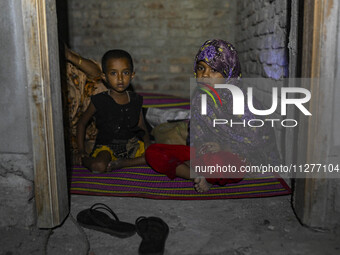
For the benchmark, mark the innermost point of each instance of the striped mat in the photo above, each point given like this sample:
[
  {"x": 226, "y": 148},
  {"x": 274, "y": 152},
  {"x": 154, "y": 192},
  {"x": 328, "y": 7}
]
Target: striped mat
[
  {"x": 143, "y": 182},
  {"x": 164, "y": 101}
]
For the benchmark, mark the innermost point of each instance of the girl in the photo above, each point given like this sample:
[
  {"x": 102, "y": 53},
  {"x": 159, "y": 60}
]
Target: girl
[
  {"x": 122, "y": 136},
  {"x": 216, "y": 59}
]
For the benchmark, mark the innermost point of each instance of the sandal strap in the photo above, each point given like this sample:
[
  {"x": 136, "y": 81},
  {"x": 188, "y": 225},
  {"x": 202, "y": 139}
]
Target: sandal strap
[
  {"x": 139, "y": 219},
  {"x": 105, "y": 207},
  {"x": 148, "y": 232}
]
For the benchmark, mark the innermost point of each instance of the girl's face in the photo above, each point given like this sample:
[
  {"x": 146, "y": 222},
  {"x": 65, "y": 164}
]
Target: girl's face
[
  {"x": 118, "y": 74},
  {"x": 205, "y": 71}
]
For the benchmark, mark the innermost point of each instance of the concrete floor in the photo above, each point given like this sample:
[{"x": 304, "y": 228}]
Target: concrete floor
[{"x": 234, "y": 226}]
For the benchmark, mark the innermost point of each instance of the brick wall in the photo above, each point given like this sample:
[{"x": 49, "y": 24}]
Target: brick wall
[
  {"x": 162, "y": 36},
  {"x": 261, "y": 39}
]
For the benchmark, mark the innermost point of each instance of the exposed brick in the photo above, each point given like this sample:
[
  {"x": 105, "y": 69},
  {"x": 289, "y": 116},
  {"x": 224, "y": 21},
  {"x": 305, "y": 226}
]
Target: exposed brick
[
  {"x": 280, "y": 5},
  {"x": 175, "y": 69},
  {"x": 169, "y": 31},
  {"x": 279, "y": 39},
  {"x": 274, "y": 71},
  {"x": 197, "y": 14},
  {"x": 271, "y": 11},
  {"x": 182, "y": 78},
  {"x": 154, "y": 5},
  {"x": 151, "y": 77},
  {"x": 268, "y": 41},
  {"x": 181, "y": 60},
  {"x": 283, "y": 19},
  {"x": 148, "y": 61},
  {"x": 274, "y": 57},
  {"x": 219, "y": 13},
  {"x": 146, "y": 86},
  {"x": 77, "y": 5}
]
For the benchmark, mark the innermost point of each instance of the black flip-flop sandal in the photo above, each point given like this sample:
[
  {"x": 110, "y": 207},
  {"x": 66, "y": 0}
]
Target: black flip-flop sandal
[
  {"x": 154, "y": 232},
  {"x": 94, "y": 219}
]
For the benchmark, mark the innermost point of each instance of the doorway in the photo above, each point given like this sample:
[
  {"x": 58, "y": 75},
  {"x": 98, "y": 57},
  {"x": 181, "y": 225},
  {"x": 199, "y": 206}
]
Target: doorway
[{"x": 312, "y": 197}]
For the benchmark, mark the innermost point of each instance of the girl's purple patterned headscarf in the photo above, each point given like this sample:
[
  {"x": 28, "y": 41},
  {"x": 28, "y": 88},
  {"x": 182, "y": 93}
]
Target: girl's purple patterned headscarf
[
  {"x": 256, "y": 145},
  {"x": 221, "y": 56}
]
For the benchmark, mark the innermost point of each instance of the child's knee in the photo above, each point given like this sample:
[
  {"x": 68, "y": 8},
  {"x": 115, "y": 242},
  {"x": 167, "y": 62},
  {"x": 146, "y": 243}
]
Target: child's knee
[{"x": 99, "y": 166}]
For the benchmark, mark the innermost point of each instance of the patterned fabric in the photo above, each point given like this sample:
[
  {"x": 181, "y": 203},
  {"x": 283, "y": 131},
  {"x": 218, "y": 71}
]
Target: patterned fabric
[
  {"x": 143, "y": 182},
  {"x": 256, "y": 145},
  {"x": 132, "y": 148},
  {"x": 117, "y": 121},
  {"x": 76, "y": 95},
  {"x": 221, "y": 56}
]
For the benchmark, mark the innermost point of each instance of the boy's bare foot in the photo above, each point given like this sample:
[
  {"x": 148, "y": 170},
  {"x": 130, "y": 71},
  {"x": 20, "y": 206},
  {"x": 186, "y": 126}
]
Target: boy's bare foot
[
  {"x": 116, "y": 164},
  {"x": 94, "y": 166},
  {"x": 201, "y": 184}
]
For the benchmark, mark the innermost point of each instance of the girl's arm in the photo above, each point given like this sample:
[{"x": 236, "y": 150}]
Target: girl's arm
[
  {"x": 89, "y": 67},
  {"x": 81, "y": 128},
  {"x": 141, "y": 124}
]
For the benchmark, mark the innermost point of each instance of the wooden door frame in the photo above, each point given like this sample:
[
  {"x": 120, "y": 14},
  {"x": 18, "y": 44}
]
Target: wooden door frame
[
  {"x": 44, "y": 94},
  {"x": 41, "y": 49},
  {"x": 311, "y": 197}
]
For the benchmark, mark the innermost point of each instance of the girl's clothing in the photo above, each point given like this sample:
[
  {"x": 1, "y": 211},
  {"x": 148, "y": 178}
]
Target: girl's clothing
[
  {"x": 118, "y": 130},
  {"x": 256, "y": 145},
  {"x": 126, "y": 149},
  {"x": 164, "y": 158},
  {"x": 221, "y": 56}
]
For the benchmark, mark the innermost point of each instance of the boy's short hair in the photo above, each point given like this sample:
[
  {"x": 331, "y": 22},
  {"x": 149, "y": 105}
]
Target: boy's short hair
[{"x": 117, "y": 53}]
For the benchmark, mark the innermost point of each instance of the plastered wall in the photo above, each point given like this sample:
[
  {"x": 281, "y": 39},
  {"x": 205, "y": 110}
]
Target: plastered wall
[{"x": 16, "y": 166}]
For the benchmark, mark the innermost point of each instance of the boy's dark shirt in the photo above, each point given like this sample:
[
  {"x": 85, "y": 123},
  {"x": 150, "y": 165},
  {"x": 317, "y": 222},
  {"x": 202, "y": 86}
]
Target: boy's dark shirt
[{"x": 115, "y": 121}]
